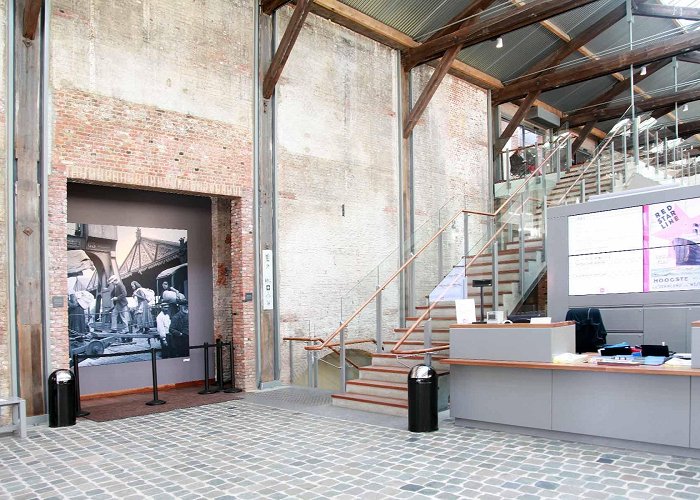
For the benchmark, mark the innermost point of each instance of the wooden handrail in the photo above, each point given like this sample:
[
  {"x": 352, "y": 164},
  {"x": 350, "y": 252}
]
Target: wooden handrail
[
  {"x": 384, "y": 285},
  {"x": 423, "y": 316},
  {"x": 381, "y": 288},
  {"x": 303, "y": 339}
]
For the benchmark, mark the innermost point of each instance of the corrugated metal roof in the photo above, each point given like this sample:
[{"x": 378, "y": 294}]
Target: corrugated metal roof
[
  {"x": 511, "y": 61},
  {"x": 525, "y": 47},
  {"x": 407, "y": 16},
  {"x": 575, "y": 21},
  {"x": 576, "y": 96}
]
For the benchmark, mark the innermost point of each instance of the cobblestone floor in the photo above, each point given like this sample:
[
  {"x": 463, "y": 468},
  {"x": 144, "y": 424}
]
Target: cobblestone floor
[{"x": 242, "y": 449}]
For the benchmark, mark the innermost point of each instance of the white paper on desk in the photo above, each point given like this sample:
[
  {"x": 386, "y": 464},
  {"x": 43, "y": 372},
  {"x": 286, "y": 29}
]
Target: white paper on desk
[
  {"x": 678, "y": 362},
  {"x": 466, "y": 311}
]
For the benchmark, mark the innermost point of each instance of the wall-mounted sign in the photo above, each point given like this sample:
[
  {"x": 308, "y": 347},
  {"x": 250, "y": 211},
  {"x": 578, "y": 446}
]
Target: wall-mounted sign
[{"x": 267, "y": 281}]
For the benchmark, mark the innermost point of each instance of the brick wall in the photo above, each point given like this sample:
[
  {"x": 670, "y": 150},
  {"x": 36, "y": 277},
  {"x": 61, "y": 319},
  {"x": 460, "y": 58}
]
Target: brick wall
[
  {"x": 450, "y": 168},
  {"x": 157, "y": 95}
]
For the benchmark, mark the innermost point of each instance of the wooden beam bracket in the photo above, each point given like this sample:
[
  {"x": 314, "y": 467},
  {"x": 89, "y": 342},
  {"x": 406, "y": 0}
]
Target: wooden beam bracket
[
  {"x": 285, "y": 47},
  {"x": 30, "y": 18}
]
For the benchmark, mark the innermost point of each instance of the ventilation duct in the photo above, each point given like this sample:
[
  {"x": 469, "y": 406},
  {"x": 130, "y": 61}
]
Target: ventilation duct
[{"x": 545, "y": 119}]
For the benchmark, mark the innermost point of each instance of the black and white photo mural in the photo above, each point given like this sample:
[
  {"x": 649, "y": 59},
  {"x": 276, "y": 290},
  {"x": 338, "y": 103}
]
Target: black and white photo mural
[{"x": 127, "y": 292}]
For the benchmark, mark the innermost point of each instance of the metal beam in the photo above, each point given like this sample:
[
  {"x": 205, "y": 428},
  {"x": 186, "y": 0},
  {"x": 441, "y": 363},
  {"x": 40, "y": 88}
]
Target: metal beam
[
  {"x": 531, "y": 13},
  {"x": 285, "y": 47},
  {"x": 603, "y": 66}
]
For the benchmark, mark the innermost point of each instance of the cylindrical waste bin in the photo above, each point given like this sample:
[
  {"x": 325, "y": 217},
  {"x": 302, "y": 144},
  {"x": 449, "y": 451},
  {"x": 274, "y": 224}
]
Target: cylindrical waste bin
[
  {"x": 422, "y": 399},
  {"x": 61, "y": 398}
]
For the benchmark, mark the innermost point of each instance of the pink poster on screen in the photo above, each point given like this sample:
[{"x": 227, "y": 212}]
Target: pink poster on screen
[{"x": 672, "y": 254}]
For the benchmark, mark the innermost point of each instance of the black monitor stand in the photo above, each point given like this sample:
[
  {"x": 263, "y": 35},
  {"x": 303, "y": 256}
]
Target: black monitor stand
[{"x": 480, "y": 284}]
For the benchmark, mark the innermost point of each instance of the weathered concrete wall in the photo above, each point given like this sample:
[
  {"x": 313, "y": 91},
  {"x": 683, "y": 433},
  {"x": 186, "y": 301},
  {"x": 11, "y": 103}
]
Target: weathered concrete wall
[
  {"x": 337, "y": 176},
  {"x": 338, "y": 146},
  {"x": 450, "y": 169},
  {"x": 156, "y": 94}
]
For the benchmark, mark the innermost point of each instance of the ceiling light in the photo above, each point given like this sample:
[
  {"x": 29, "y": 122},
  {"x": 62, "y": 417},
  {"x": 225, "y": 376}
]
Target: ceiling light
[
  {"x": 644, "y": 71},
  {"x": 499, "y": 42},
  {"x": 685, "y": 107}
]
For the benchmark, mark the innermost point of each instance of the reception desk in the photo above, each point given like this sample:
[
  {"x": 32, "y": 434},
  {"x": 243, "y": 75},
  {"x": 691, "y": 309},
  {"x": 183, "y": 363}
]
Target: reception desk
[{"x": 644, "y": 404}]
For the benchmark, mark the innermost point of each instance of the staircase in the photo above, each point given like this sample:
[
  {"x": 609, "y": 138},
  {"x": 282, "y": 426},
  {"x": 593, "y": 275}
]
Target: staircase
[{"x": 383, "y": 385}]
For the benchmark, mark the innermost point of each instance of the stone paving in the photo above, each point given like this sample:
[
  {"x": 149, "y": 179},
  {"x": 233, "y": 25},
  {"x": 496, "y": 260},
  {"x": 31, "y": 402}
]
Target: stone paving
[{"x": 242, "y": 449}]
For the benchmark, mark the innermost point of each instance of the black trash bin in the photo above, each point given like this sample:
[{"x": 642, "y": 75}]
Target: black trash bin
[
  {"x": 61, "y": 398},
  {"x": 422, "y": 399}
]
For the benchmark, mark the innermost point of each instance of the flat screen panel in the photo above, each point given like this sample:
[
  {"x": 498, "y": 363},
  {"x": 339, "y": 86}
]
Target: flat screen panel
[
  {"x": 606, "y": 252},
  {"x": 673, "y": 242},
  {"x": 609, "y": 231},
  {"x": 600, "y": 273},
  {"x": 649, "y": 248}
]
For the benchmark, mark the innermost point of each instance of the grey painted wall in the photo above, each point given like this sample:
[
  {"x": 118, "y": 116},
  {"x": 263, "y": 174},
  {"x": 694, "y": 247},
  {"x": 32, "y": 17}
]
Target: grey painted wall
[
  {"x": 651, "y": 317},
  {"x": 103, "y": 205}
]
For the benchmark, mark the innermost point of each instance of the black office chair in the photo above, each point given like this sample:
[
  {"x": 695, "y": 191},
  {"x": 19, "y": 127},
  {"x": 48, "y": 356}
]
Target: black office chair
[{"x": 590, "y": 331}]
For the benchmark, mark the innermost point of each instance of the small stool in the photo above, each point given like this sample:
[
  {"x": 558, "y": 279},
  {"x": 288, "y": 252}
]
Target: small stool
[{"x": 19, "y": 416}]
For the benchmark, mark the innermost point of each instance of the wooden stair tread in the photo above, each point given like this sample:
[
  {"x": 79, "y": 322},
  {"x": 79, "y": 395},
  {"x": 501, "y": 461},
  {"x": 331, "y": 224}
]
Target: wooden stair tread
[
  {"x": 436, "y": 357},
  {"x": 417, "y": 342},
  {"x": 435, "y": 330},
  {"x": 364, "y": 398},
  {"x": 484, "y": 262},
  {"x": 415, "y": 318},
  {"x": 378, "y": 384},
  {"x": 395, "y": 369}
]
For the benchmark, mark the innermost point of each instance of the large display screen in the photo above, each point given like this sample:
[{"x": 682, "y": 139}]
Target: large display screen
[{"x": 649, "y": 248}]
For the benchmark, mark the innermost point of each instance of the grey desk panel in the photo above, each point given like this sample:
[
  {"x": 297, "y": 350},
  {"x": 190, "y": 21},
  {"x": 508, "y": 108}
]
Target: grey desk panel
[
  {"x": 692, "y": 314},
  {"x": 512, "y": 343},
  {"x": 666, "y": 324},
  {"x": 651, "y": 408},
  {"x": 510, "y": 396},
  {"x": 623, "y": 319},
  {"x": 694, "y": 412}
]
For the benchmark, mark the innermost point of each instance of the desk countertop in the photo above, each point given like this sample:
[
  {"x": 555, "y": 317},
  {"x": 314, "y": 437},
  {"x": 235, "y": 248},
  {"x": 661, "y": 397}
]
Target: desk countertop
[
  {"x": 515, "y": 325},
  {"x": 583, "y": 367}
]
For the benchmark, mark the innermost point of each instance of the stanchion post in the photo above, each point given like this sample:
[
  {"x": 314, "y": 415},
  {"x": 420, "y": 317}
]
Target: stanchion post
[
  {"x": 233, "y": 387},
  {"x": 207, "y": 389},
  {"x": 219, "y": 364},
  {"x": 76, "y": 373},
  {"x": 154, "y": 379}
]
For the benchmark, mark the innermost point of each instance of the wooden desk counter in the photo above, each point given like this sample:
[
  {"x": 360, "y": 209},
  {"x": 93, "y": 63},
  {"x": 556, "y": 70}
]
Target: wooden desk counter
[{"x": 583, "y": 367}]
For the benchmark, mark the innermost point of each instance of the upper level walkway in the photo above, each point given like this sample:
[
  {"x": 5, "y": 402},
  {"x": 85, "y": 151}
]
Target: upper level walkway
[{"x": 287, "y": 443}]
